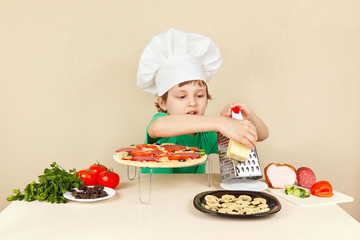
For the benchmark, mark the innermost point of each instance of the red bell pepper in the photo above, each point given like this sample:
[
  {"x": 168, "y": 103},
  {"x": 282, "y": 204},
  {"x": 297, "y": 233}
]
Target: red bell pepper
[{"x": 322, "y": 189}]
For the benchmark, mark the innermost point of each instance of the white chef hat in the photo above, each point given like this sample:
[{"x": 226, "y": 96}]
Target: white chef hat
[{"x": 173, "y": 57}]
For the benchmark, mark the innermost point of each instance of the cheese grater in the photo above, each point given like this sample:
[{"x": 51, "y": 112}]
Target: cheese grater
[{"x": 236, "y": 175}]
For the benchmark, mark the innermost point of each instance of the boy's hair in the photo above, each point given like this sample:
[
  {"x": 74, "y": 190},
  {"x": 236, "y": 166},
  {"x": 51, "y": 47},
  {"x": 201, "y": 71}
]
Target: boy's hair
[{"x": 200, "y": 82}]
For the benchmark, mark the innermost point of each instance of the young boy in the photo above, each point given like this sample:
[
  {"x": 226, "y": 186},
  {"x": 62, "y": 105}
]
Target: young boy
[{"x": 176, "y": 67}]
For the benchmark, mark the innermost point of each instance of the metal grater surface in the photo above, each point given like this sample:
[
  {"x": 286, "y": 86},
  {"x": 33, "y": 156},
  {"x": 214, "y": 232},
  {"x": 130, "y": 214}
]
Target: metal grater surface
[{"x": 233, "y": 169}]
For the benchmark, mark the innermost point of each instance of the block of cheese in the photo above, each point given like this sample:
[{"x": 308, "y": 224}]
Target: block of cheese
[
  {"x": 235, "y": 149},
  {"x": 238, "y": 151}
]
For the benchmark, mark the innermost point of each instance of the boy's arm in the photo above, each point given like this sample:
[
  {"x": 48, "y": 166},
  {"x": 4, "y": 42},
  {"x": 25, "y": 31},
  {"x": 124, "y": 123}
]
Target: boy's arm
[
  {"x": 262, "y": 130},
  {"x": 242, "y": 131}
]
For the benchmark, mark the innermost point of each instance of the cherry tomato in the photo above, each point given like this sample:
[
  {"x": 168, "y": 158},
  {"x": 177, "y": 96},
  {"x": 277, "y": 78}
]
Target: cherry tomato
[
  {"x": 109, "y": 179},
  {"x": 322, "y": 189},
  {"x": 88, "y": 176},
  {"x": 97, "y": 168}
]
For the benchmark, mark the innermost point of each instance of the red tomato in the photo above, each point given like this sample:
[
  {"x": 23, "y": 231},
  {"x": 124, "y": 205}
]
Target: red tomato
[
  {"x": 97, "y": 168},
  {"x": 322, "y": 189},
  {"x": 109, "y": 179},
  {"x": 88, "y": 176}
]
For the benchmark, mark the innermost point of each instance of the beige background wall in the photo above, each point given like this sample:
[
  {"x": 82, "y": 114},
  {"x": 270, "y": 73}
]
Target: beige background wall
[{"x": 68, "y": 80}]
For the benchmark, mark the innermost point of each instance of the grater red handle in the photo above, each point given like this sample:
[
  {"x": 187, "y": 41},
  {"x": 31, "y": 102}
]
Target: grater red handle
[
  {"x": 236, "y": 109},
  {"x": 236, "y": 113}
]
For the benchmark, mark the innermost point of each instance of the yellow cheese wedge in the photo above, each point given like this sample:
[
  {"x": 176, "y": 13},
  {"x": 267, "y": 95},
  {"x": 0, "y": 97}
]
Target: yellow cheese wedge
[{"x": 238, "y": 151}]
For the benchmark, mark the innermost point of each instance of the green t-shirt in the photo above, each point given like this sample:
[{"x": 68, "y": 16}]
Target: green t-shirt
[{"x": 202, "y": 140}]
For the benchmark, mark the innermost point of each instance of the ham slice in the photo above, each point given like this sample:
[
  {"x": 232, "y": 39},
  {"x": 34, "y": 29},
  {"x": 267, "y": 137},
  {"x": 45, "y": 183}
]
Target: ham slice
[
  {"x": 279, "y": 175},
  {"x": 190, "y": 155},
  {"x": 128, "y": 149}
]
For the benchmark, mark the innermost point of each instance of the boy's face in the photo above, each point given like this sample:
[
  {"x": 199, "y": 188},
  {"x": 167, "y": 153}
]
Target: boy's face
[{"x": 187, "y": 99}]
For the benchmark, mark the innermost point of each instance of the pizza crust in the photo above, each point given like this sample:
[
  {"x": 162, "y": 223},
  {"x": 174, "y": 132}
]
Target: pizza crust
[{"x": 162, "y": 164}]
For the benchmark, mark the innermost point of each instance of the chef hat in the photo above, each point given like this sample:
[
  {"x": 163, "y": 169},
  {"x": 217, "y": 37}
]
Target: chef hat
[{"x": 173, "y": 57}]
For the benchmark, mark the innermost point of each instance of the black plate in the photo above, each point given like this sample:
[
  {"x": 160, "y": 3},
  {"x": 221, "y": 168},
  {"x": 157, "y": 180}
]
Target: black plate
[{"x": 272, "y": 202}]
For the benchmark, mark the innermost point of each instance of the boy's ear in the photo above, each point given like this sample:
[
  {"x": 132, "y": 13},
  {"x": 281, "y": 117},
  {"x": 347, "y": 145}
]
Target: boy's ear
[{"x": 162, "y": 103}]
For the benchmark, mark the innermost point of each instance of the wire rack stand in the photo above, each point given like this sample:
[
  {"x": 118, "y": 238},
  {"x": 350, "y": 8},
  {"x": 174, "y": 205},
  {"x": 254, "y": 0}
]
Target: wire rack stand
[
  {"x": 138, "y": 173},
  {"x": 128, "y": 175}
]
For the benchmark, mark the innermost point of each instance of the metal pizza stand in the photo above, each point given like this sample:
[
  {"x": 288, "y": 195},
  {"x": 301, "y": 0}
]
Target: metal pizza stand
[{"x": 137, "y": 172}]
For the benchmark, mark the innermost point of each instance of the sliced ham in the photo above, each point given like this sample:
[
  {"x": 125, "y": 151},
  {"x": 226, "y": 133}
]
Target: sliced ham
[
  {"x": 279, "y": 175},
  {"x": 145, "y": 158},
  {"x": 173, "y": 147},
  {"x": 128, "y": 149},
  {"x": 190, "y": 155},
  {"x": 305, "y": 177}
]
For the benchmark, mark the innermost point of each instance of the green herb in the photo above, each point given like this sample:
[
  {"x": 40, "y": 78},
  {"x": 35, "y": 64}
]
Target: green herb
[{"x": 50, "y": 186}]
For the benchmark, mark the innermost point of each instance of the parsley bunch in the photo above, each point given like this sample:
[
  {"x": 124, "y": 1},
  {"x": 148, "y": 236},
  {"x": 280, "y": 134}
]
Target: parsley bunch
[{"x": 50, "y": 186}]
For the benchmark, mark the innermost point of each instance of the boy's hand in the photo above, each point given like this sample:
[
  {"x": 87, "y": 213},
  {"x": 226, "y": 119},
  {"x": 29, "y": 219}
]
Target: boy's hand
[
  {"x": 246, "y": 112},
  {"x": 242, "y": 131}
]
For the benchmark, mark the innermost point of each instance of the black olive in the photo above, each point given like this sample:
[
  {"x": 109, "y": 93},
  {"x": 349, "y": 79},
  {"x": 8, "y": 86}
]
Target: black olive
[
  {"x": 94, "y": 195},
  {"x": 89, "y": 192},
  {"x": 182, "y": 160},
  {"x": 103, "y": 194}
]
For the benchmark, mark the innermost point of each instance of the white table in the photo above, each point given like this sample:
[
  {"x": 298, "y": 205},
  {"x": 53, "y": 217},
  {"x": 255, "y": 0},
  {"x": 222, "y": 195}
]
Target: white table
[{"x": 170, "y": 215}]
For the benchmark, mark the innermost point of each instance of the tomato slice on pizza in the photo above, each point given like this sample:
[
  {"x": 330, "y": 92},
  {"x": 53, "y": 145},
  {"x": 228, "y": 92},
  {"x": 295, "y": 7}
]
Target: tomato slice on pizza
[
  {"x": 141, "y": 153},
  {"x": 141, "y": 146}
]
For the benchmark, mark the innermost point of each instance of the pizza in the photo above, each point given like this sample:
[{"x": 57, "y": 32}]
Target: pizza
[{"x": 165, "y": 155}]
